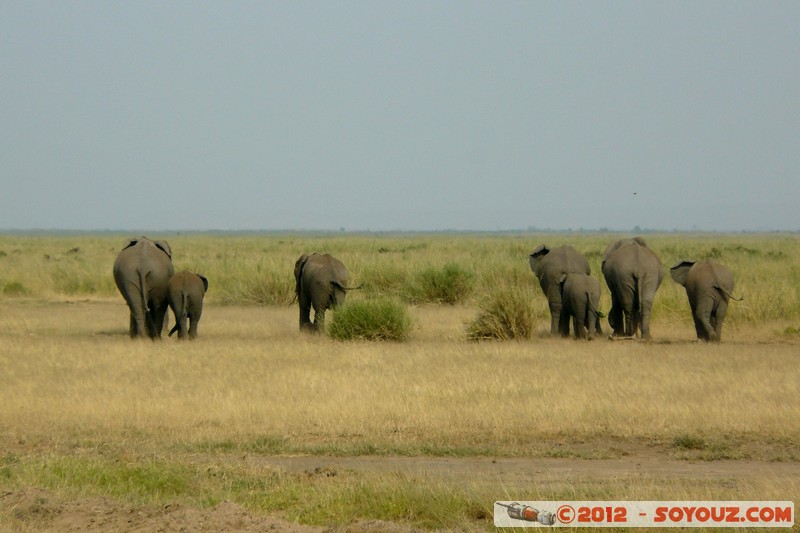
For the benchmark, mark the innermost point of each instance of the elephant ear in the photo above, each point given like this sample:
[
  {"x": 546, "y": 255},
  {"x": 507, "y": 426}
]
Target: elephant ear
[
  {"x": 540, "y": 251},
  {"x": 130, "y": 242},
  {"x": 205, "y": 282},
  {"x": 164, "y": 247},
  {"x": 298, "y": 271},
  {"x": 680, "y": 270}
]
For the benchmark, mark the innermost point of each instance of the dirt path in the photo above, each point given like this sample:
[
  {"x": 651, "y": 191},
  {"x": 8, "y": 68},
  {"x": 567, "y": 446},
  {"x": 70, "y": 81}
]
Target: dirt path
[
  {"x": 521, "y": 470},
  {"x": 37, "y": 510}
]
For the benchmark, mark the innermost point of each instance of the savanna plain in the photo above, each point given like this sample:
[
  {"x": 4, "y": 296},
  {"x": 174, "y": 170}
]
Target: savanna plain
[{"x": 255, "y": 426}]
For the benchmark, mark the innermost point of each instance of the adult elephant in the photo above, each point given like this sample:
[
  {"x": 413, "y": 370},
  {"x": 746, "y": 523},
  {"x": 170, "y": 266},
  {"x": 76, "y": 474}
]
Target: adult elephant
[
  {"x": 142, "y": 272},
  {"x": 550, "y": 265},
  {"x": 321, "y": 283},
  {"x": 633, "y": 274},
  {"x": 708, "y": 286}
]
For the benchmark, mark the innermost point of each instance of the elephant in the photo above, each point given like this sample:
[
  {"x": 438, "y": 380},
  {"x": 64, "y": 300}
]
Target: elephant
[
  {"x": 549, "y": 265},
  {"x": 185, "y": 295},
  {"x": 709, "y": 287},
  {"x": 142, "y": 271},
  {"x": 633, "y": 274},
  {"x": 321, "y": 282},
  {"x": 580, "y": 301}
]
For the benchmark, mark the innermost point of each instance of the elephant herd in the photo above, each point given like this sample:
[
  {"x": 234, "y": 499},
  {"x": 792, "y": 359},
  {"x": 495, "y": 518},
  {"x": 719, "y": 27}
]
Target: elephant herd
[
  {"x": 147, "y": 280},
  {"x": 145, "y": 277},
  {"x": 633, "y": 273}
]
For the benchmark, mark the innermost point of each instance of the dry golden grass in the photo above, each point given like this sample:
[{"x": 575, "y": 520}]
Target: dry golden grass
[{"x": 70, "y": 371}]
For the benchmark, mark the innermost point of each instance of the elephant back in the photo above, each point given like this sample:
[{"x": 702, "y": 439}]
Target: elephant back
[
  {"x": 146, "y": 256},
  {"x": 547, "y": 263},
  {"x": 632, "y": 256}
]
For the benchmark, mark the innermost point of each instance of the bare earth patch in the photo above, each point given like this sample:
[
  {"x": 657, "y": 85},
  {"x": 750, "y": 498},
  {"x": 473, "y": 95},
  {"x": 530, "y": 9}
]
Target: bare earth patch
[{"x": 32, "y": 509}]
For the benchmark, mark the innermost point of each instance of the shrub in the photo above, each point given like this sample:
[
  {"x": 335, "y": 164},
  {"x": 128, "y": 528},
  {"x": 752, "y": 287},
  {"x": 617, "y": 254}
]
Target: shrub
[
  {"x": 507, "y": 315},
  {"x": 14, "y": 288},
  {"x": 688, "y": 442},
  {"x": 450, "y": 284},
  {"x": 379, "y": 319}
]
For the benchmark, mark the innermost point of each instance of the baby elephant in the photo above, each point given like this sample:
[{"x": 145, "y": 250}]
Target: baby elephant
[
  {"x": 709, "y": 286},
  {"x": 580, "y": 300},
  {"x": 186, "y": 291}
]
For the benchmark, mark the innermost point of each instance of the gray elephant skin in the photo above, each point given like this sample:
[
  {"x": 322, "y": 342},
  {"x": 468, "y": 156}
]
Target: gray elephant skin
[
  {"x": 320, "y": 282},
  {"x": 142, "y": 271},
  {"x": 709, "y": 287},
  {"x": 550, "y": 265},
  {"x": 633, "y": 274},
  {"x": 580, "y": 302},
  {"x": 185, "y": 294}
]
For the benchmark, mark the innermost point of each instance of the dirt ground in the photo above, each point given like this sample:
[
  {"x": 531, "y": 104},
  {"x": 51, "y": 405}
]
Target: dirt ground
[{"x": 35, "y": 510}]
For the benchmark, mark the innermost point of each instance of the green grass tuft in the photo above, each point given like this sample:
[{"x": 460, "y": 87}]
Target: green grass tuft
[
  {"x": 14, "y": 288},
  {"x": 689, "y": 442},
  {"x": 450, "y": 284},
  {"x": 507, "y": 315},
  {"x": 379, "y": 319}
]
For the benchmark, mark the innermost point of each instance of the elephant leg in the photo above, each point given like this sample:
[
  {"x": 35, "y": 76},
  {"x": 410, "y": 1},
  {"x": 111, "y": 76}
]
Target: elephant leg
[
  {"x": 636, "y": 315},
  {"x": 628, "y": 301},
  {"x": 563, "y": 322},
  {"x": 703, "y": 313},
  {"x": 319, "y": 320},
  {"x": 648, "y": 295},
  {"x": 138, "y": 321},
  {"x": 629, "y": 320},
  {"x": 180, "y": 321},
  {"x": 592, "y": 323},
  {"x": 645, "y": 325},
  {"x": 133, "y": 328},
  {"x": 615, "y": 321},
  {"x": 555, "y": 317},
  {"x": 553, "y": 294},
  {"x": 193, "y": 320},
  {"x": 722, "y": 310},
  {"x": 305, "y": 313},
  {"x": 580, "y": 332},
  {"x": 159, "y": 319}
]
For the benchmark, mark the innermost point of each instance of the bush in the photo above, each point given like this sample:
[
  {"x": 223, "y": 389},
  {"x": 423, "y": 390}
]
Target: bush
[
  {"x": 14, "y": 288},
  {"x": 378, "y": 319},
  {"x": 507, "y": 315},
  {"x": 450, "y": 284}
]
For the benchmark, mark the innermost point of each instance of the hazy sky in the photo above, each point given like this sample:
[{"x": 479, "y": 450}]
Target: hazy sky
[{"x": 410, "y": 115}]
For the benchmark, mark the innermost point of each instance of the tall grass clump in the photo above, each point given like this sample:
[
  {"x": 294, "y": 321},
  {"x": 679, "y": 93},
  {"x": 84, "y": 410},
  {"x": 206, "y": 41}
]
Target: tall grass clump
[
  {"x": 450, "y": 284},
  {"x": 506, "y": 315},
  {"x": 376, "y": 319}
]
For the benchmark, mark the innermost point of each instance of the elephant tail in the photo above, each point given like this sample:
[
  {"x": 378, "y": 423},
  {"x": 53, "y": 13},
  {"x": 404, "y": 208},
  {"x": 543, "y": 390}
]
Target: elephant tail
[
  {"x": 344, "y": 288},
  {"x": 727, "y": 294},
  {"x": 590, "y": 306},
  {"x": 181, "y": 315},
  {"x": 143, "y": 291},
  {"x": 638, "y": 296}
]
